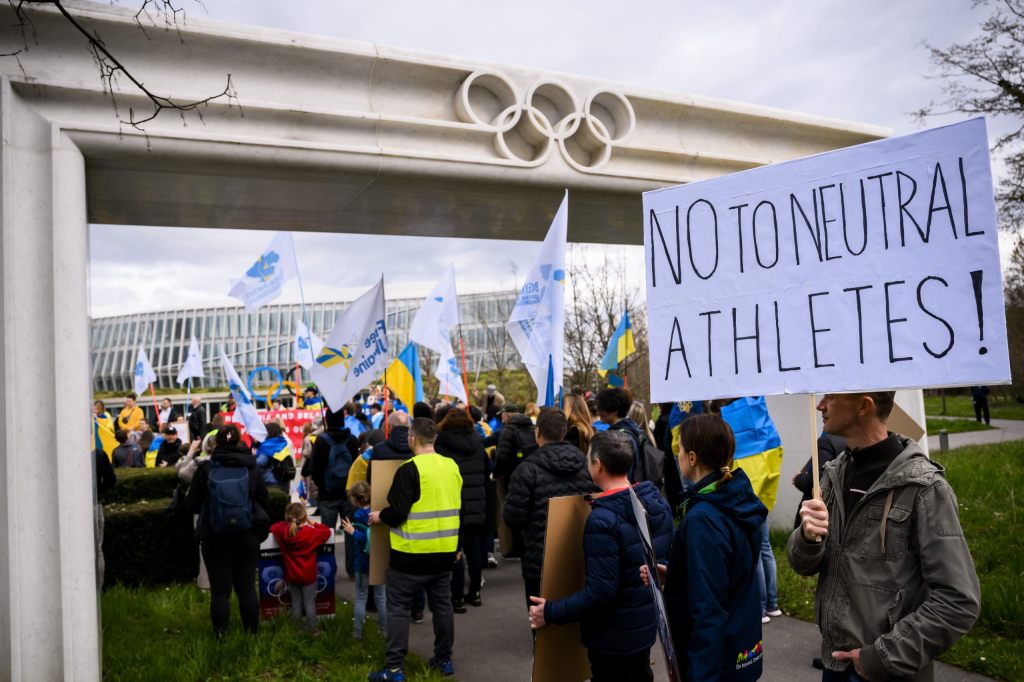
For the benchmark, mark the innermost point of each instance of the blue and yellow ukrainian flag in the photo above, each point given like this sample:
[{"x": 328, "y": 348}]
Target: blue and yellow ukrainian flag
[
  {"x": 103, "y": 435},
  {"x": 681, "y": 411},
  {"x": 758, "y": 446},
  {"x": 620, "y": 346},
  {"x": 403, "y": 376}
]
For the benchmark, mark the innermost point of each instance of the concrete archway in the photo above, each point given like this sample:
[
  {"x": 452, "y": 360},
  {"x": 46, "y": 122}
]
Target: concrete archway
[{"x": 335, "y": 136}]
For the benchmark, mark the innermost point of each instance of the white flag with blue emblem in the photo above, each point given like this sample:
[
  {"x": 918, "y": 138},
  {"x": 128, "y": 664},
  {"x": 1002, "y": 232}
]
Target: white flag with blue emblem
[
  {"x": 245, "y": 411},
  {"x": 143, "y": 373},
  {"x": 437, "y": 316},
  {"x": 356, "y": 352},
  {"x": 537, "y": 323},
  {"x": 449, "y": 377},
  {"x": 193, "y": 367},
  {"x": 305, "y": 356},
  {"x": 265, "y": 278}
]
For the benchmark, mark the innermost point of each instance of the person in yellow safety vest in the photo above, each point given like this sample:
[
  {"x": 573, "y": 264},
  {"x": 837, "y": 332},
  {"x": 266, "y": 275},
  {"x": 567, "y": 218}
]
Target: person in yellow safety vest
[{"x": 424, "y": 508}]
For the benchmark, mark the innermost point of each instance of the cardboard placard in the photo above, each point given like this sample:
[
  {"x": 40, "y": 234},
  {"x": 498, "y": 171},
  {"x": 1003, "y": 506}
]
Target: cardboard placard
[
  {"x": 182, "y": 428},
  {"x": 559, "y": 655},
  {"x": 901, "y": 422},
  {"x": 506, "y": 536},
  {"x": 380, "y": 536}
]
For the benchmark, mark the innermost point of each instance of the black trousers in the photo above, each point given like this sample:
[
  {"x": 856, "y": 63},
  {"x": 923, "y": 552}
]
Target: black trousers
[
  {"x": 532, "y": 589},
  {"x": 231, "y": 563},
  {"x": 474, "y": 555},
  {"x": 635, "y": 668},
  {"x": 403, "y": 589}
]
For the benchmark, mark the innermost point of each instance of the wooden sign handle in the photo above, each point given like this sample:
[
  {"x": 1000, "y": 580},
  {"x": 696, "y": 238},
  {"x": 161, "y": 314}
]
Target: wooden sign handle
[{"x": 815, "y": 471}]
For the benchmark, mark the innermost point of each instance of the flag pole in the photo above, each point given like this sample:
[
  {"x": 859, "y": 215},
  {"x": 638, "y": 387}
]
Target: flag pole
[
  {"x": 387, "y": 402},
  {"x": 465, "y": 371},
  {"x": 309, "y": 334},
  {"x": 156, "y": 405}
]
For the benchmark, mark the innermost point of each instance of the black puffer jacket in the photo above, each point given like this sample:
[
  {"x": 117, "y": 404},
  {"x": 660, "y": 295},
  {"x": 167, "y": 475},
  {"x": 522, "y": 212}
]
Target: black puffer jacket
[
  {"x": 396, "y": 446},
  {"x": 554, "y": 470},
  {"x": 516, "y": 442},
  {"x": 466, "y": 448}
]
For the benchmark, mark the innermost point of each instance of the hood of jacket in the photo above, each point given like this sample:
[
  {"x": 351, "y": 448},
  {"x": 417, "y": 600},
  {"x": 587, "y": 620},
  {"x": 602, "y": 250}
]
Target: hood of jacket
[
  {"x": 398, "y": 439},
  {"x": 735, "y": 499},
  {"x": 520, "y": 421},
  {"x": 461, "y": 442},
  {"x": 562, "y": 459},
  {"x": 234, "y": 456},
  {"x": 621, "y": 503},
  {"x": 627, "y": 424}
]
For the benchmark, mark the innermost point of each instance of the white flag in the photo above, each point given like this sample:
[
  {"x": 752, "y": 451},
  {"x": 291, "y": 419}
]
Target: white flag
[
  {"x": 356, "y": 352},
  {"x": 193, "y": 366},
  {"x": 265, "y": 278},
  {"x": 144, "y": 374},
  {"x": 304, "y": 355},
  {"x": 449, "y": 377},
  {"x": 244, "y": 409},
  {"x": 537, "y": 323},
  {"x": 437, "y": 316}
]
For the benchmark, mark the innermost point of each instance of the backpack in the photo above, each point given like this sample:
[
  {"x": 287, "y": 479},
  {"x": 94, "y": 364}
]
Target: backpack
[
  {"x": 339, "y": 461},
  {"x": 229, "y": 502},
  {"x": 651, "y": 466},
  {"x": 284, "y": 469}
]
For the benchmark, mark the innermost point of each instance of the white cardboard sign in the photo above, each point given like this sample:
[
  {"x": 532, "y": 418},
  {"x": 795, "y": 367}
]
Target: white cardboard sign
[{"x": 867, "y": 268}]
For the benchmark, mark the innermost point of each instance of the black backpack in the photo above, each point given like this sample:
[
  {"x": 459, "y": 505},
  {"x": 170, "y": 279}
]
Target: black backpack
[
  {"x": 284, "y": 470},
  {"x": 229, "y": 499},
  {"x": 339, "y": 461},
  {"x": 651, "y": 465}
]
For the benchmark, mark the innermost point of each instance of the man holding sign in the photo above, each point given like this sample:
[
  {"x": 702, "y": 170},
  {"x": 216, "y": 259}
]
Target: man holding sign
[{"x": 897, "y": 586}]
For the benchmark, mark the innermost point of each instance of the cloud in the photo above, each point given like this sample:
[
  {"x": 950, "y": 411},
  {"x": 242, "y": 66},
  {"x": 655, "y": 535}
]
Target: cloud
[{"x": 860, "y": 61}]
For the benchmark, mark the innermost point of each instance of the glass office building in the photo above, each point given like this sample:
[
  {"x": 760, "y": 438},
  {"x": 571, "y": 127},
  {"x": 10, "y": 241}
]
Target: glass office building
[{"x": 266, "y": 337}]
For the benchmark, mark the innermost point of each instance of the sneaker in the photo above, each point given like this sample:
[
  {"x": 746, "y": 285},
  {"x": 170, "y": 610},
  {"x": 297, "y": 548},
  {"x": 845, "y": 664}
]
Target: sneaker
[
  {"x": 774, "y": 613},
  {"x": 357, "y": 636},
  {"x": 442, "y": 665},
  {"x": 765, "y": 619},
  {"x": 459, "y": 606},
  {"x": 491, "y": 561},
  {"x": 474, "y": 599},
  {"x": 385, "y": 674},
  {"x": 417, "y": 617}
]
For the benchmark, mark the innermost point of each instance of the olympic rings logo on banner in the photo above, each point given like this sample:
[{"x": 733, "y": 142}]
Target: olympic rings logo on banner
[
  {"x": 526, "y": 130},
  {"x": 271, "y": 395}
]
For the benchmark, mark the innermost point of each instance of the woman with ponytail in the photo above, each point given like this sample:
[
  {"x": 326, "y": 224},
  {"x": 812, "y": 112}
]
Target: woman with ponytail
[
  {"x": 711, "y": 590},
  {"x": 299, "y": 538}
]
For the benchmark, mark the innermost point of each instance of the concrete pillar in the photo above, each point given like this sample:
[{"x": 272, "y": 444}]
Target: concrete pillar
[{"x": 48, "y": 604}]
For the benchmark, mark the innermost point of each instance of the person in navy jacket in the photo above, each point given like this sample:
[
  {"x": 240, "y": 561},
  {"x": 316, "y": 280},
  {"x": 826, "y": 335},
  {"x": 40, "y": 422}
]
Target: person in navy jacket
[
  {"x": 711, "y": 594},
  {"x": 614, "y": 608}
]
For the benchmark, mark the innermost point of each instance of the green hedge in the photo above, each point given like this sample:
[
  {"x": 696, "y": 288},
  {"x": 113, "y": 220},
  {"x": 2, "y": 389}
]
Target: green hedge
[
  {"x": 144, "y": 543},
  {"x": 138, "y": 485}
]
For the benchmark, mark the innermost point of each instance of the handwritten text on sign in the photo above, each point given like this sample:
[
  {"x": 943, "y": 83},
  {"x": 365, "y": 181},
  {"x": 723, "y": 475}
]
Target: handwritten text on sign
[{"x": 871, "y": 267}]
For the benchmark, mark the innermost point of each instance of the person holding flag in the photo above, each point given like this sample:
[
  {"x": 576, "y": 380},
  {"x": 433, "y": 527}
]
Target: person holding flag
[
  {"x": 193, "y": 369},
  {"x": 143, "y": 376},
  {"x": 537, "y": 322},
  {"x": 620, "y": 347}
]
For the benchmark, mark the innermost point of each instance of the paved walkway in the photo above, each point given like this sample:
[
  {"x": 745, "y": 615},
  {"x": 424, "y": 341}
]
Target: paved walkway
[
  {"x": 493, "y": 642},
  {"x": 1006, "y": 430}
]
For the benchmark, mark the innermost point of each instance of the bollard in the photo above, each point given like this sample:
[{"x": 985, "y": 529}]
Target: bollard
[{"x": 943, "y": 440}]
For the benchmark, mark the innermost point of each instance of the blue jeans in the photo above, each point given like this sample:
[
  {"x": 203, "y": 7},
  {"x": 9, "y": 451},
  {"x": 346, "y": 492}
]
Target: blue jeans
[
  {"x": 766, "y": 579},
  {"x": 379, "y": 597},
  {"x": 844, "y": 676}
]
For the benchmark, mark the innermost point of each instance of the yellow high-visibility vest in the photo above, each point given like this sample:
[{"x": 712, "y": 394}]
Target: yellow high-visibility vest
[{"x": 433, "y": 522}]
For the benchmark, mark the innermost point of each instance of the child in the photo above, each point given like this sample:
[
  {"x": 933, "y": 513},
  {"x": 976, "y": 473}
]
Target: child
[
  {"x": 299, "y": 539},
  {"x": 359, "y": 496}
]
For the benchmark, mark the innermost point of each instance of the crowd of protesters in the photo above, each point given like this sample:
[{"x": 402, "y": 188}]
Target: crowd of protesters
[{"x": 897, "y": 585}]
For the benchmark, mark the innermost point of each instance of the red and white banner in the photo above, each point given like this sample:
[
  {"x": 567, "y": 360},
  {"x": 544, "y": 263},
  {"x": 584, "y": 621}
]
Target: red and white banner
[{"x": 293, "y": 421}]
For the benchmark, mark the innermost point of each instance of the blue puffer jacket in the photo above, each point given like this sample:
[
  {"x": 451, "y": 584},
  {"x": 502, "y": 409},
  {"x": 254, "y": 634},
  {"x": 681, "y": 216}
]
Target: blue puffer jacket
[
  {"x": 614, "y": 608},
  {"x": 711, "y": 593}
]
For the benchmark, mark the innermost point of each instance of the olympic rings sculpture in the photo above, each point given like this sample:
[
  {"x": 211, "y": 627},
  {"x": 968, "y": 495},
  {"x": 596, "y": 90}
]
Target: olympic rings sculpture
[
  {"x": 292, "y": 387},
  {"x": 527, "y": 129},
  {"x": 270, "y": 398}
]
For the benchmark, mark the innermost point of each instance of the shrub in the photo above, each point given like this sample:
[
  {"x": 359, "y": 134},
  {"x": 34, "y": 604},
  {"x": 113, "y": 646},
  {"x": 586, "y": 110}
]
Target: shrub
[
  {"x": 137, "y": 485},
  {"x": 145, "y": 543}
]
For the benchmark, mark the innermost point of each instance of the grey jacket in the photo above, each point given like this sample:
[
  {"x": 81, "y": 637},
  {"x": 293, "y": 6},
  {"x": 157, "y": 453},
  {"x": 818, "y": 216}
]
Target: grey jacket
[{"x": 896, "y": 578}]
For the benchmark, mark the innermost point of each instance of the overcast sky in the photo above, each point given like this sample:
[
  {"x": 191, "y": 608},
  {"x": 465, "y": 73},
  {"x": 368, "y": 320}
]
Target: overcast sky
[{"x": 860, "y": 61}]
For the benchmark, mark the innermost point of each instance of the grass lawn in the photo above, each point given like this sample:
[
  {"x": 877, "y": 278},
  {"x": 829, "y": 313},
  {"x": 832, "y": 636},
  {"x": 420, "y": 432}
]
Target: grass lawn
[
  {"x": 164, "y": 634},
  {"x": 961, "y": 406},
  {"x": 986, "y": 479},
  {"x": 934, "y": 424}
]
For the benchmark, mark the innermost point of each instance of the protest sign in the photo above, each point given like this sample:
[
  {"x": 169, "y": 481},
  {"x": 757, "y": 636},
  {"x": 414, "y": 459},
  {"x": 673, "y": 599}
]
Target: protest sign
[
  {"x": 274, "y": 594},
  {"x": 291, "y": 420},
  {"x": 559, "y": 656},
  {"x": 380, "y": 535},
  {"x": 871, "y": 267}
]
